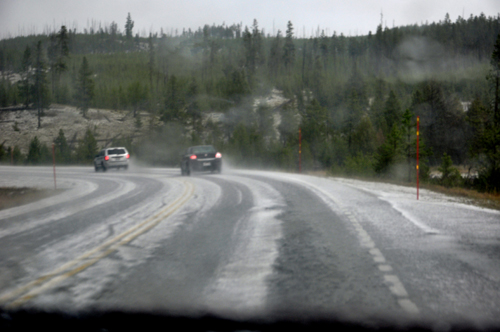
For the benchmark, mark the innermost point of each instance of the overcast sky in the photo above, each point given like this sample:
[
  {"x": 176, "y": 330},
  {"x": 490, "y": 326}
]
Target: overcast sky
[{"x": 351, "y": 17}]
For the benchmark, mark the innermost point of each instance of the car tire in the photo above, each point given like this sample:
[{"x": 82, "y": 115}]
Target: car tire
[
  {"x": 125, "y": 167},
  {"x": 96, "y": 168},
  {"x": 104, "y": 169}
]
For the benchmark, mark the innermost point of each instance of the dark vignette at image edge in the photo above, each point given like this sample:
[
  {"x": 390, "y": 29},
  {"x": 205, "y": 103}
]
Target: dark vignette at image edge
[{"x": 24, "y": 320}]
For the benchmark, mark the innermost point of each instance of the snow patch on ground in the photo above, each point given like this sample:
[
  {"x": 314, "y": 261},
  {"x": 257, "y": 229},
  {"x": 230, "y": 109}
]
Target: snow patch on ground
[{"x": 391, "y": 193}]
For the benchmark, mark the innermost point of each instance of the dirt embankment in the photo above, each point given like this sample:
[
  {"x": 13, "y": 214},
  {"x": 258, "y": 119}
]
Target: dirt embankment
[
  {"x": 19, "y": 127},
  {"x": 11, "y": 197}
]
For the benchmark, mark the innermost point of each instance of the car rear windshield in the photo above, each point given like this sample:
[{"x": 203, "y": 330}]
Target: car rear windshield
[
  {"x": 203, "y": 149},
  {"x": 116, "y": 151}
]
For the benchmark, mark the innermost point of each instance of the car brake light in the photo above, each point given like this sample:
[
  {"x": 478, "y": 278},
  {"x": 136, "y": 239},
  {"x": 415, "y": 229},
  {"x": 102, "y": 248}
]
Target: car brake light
[
  {"x": 127, "y": 156},
  {"x": 106, "y": 158},
  {"x": 218, "y": 155},
  {"x": 193, "y": 157}
]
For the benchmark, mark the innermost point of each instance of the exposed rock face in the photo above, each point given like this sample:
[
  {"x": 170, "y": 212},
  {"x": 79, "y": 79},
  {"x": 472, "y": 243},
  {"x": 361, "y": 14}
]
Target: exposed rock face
[{"x": 19, "y": 127}]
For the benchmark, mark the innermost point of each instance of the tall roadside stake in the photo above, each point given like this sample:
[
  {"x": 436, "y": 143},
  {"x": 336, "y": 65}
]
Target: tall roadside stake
[
  {"x": 300, "y": 150},
  {"x": 418, "y": 134},
  {"x": 54, "y": 163}
]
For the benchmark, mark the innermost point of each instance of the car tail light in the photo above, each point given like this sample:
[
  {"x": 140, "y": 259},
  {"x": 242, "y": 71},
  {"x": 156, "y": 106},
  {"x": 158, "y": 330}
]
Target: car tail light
[
  {"x": 127, "y": 156},
  {"x": 218, "y": 155},
  {"x": 106, "y": 158},
  {"x": 193, "y": 157}
]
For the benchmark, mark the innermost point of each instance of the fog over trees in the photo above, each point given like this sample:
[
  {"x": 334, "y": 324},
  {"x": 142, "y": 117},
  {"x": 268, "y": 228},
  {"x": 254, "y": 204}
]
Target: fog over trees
[{"x": 355, "y": 98}]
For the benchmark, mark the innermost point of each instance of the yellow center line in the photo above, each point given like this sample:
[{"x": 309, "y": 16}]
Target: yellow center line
[{"x": 58, "y": 275}]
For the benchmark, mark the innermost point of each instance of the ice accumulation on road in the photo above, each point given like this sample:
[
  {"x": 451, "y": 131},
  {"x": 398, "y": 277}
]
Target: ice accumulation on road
[
  {"x": 436, "y": 256},
  {"x": 240, "y": 286},
  {"x": 433, "y": 213},
  {"x": 92, "y": 209},
  {"x": 438, "y": 252}
]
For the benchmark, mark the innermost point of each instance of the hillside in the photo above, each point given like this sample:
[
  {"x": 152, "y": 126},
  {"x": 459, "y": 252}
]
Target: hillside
[
  {"x": 354, "y": 99},
  {"x": 18, "y": 128}
]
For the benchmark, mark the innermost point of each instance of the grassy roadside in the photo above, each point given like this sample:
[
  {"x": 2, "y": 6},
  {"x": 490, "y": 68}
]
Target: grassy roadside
[
  {"x": 13, "y": 196},
  {"x": 487, "y": 200}
]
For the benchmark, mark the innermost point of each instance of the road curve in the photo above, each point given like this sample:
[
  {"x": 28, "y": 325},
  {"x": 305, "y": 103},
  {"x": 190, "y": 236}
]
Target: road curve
[{"x": 247, "y": 243}]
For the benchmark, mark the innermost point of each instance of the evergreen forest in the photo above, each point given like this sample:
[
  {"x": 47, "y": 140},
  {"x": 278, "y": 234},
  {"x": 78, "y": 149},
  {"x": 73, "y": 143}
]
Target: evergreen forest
[{"x": 355, "y": 99}]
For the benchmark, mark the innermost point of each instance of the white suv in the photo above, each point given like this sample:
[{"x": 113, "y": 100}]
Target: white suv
[{"x": 111, "y": 158}]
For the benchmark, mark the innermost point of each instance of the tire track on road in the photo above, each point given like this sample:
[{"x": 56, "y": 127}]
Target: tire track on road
[
  {"x": 391, "y": 280},
  {"x": 23, "y": 294}
]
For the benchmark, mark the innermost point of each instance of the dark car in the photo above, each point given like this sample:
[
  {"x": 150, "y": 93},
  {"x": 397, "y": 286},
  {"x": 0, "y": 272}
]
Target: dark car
[{"x": 201, "y": 158}]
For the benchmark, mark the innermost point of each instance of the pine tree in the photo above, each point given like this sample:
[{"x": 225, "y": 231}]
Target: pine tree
[
  {"x": 193, "y": 111},
  {"x": 137, "y": 95},
  {"x": 87, "y": 147},
  {"x": 275, "y": 56},
  {"x": 85, "y": 87},
  {"x": 495, "y": 78},
  {"x": 58, "y": 54},
  {"x": 252, "y": 42},
  {"x": 450, "y": 176},
  {"x": 257, "y": 42},
  {"x": 485, "y": 120},
  {"x": 377, "y": 107},
  {"x": 151, "y": 62},
  {"x": 289, "y": 48},
  {"x": 35, "y": 152},
  {"x": 442, "y": 121},
  {"x": 289, "y": 125},
  {"x": 408, "y": 129},
  {"x": 26, "y": 84},
  {"x": 392, "y": 110},
  {"x": 389, "y": 153},
  {"x": 17, "y": 155},
  {"x": 129, "y": 26},
  {"x": 62, "y": 150},
  {"x": 174, "y": 101},
  {"x": 3, "y": 154},
  {"x": 354, "y": 114},
  {"x": 41, "y": 90},
  {"x": 249, "y": 52},
  {"x": 363, "y": 138}
]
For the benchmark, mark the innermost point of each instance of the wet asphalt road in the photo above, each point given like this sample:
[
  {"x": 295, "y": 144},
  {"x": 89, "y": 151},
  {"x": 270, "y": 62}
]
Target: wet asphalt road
[{"x": 246, "y": 243}]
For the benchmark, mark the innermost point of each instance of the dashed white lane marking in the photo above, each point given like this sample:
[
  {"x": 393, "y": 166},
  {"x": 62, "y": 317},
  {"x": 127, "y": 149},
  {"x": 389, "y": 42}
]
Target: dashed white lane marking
[
  {"x": 377, "y": 255},
  {"x": 385, "y": 268},
  {"x": 409, "y": 306},
  {"x": 395, "y": 285},
  {"x": 392, "y": 281}
]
